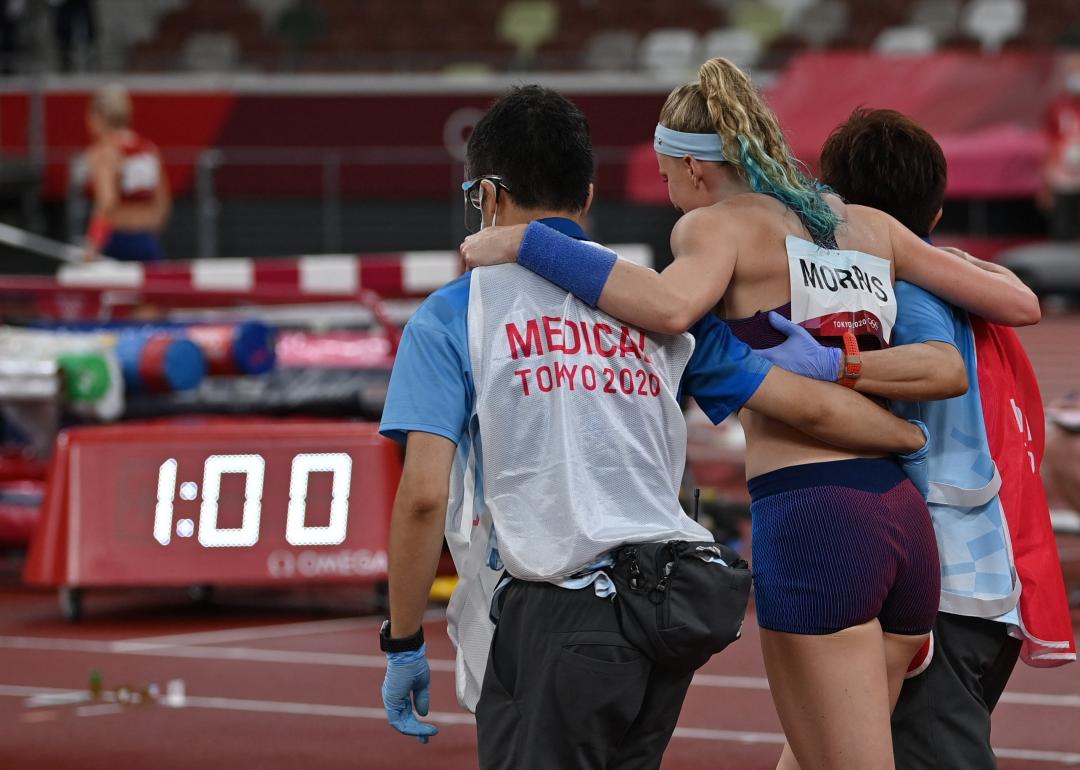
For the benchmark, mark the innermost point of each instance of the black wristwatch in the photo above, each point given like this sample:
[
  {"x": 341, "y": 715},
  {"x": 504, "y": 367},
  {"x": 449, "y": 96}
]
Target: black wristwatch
[{"x": 404, "y": 644}]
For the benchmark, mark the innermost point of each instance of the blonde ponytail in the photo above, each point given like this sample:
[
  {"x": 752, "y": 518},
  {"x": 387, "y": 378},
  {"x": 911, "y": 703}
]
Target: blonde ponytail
[{"x": 725, "y": 102}]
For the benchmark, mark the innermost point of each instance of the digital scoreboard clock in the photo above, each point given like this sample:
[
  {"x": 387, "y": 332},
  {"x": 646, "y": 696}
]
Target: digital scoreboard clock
[{"x": 216, "y": 502}]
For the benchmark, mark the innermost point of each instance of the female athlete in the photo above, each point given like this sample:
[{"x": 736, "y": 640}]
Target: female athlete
[
  {"x": 845, "y": 561},
  {"x": 130, "y": 193}
]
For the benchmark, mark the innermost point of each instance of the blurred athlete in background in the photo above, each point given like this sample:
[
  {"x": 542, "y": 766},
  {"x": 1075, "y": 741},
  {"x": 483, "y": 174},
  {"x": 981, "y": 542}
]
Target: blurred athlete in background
[
  {"x": 986, "y": 496},
  {"x": 1060, "y": 195},
  {"x": 845, "y": 560},
  {"x": 127, "y": 183}
]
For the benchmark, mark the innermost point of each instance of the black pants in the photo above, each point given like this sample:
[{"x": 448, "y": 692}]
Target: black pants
[
  {"x": 564, "y": 689},
  {"x": 1065, "y": 218},
  {"x": 942, "y": 720}
]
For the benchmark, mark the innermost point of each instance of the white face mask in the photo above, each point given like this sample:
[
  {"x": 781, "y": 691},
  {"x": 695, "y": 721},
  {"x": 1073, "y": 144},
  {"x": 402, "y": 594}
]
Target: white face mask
[{"x": 1072, "y": 83}]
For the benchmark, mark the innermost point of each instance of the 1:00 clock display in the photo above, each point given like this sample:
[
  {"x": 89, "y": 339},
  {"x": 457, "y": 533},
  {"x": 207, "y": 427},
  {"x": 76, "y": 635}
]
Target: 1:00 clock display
[{"x": 252, "y": 466}]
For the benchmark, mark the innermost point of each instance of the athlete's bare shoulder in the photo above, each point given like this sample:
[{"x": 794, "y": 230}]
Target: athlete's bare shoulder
[
  {"x": 866, "y": 229},
  {"x": 705, "y": 229},
  {"x": 737, "y": 212},
  {"x": 867, "y": 215},
  {"x": 749, "y": 203}
]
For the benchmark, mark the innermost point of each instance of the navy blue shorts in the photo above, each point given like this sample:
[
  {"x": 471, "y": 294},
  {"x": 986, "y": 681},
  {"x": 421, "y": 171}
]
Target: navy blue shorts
[
  {"x": 837, "y": 544},
  {"x": 134, "y": 247}
]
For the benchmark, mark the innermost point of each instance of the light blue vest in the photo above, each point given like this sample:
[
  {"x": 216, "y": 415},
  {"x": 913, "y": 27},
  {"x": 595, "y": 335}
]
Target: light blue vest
[{"x": 978, "y": 577}]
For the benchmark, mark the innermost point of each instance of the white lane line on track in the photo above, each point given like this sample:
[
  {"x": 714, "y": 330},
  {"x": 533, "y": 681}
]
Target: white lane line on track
[
  {"x": 23, "y": 691},
  {"x": 276, "y": 631},
  {"x": 249, "y": 654},
  {"x": 100, "y": 710},
  {"x": 761, "y": 683},
  {"x": 353, "y": 660},
  {"x": 1037, "y": 755},
  {"x": 256, "y": 632},
  {"x": 461, "y": 718},
  {"x": 318, "y": 709},
  {"x": 733, "y": 682},
  {"x": 1039, "y": 699},
  {"x": 731, "y": 736},
  {"x": 256, "y": 655}
]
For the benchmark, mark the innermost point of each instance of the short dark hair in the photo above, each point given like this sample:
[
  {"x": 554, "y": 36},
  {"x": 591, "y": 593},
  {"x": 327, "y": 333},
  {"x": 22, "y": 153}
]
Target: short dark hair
[
  {"x": 538, "y": 142},
  {"x": 883, "y": 159}
]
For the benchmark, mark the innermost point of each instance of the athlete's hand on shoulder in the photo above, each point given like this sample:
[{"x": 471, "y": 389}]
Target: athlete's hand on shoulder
[
  {"x": 407, "y": 682},
  {"x": 492, "y": 246}
]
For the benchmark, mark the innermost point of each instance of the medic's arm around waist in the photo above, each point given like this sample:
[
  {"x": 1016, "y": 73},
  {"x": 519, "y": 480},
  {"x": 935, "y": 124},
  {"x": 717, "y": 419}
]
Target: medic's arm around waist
[
  {"x": 668, "y": 302},
  {"x": 724, "y": 375},
  {"x": 924, "y": 362},
  {"x": 922, "y": 371},
  {"x": 833, "y": 414}
]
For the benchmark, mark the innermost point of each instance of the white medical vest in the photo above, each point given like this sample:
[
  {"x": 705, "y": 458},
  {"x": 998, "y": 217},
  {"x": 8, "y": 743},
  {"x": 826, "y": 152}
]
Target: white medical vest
[
  {"x": 576, "y": 445},
  {"x": 582, "y": 438}
]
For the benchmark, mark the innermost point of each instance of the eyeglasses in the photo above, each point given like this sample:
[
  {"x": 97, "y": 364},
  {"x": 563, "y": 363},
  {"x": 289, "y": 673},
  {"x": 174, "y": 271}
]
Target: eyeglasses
[{"x": 474, "y": 196}]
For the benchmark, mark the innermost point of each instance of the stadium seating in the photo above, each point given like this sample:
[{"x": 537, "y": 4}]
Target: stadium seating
[
  {"x": 738, "y": 45},
  {"x": 611, "y": 50},
  {"x": 658, "y": 38},
  {"x": 992, "y": 22},
  {"x": 670, "y": 52},
  {"x": 822, "y": 23},
  {"x": 941, "y": 17},
  {"x": 905, "y": 41},
  {"x": 527, "y": 24},
  {"x": 210, "y": 52}
]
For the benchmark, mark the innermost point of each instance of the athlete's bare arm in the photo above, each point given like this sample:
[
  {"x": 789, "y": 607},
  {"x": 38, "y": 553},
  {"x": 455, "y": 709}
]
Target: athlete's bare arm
[
  {"x": 997, "y": 295},
  {"x": 416, "y": 528},
  {"x": 922, "y": 371},
  {"x": 104, "y": 162},
  {"x": 668, "y": 302},
  {"x": 833, "y": 414}
]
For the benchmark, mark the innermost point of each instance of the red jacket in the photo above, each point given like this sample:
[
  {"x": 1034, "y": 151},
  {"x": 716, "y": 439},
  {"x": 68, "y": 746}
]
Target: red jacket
[{"x": 1016, "y": 430}]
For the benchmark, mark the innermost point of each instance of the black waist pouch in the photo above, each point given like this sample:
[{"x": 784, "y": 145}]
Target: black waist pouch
[{"x": 677, "y": 606}]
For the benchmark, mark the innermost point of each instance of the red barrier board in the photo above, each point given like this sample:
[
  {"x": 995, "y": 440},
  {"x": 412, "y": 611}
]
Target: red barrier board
[{"x": 218, "y": 502}]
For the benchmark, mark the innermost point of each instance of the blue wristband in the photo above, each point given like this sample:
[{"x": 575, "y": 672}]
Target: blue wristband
[{"x": 580, "y": 267}]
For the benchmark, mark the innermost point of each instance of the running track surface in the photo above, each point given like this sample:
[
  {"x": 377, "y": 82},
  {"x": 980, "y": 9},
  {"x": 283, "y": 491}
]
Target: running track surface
[{"x": 281, "y": 681}]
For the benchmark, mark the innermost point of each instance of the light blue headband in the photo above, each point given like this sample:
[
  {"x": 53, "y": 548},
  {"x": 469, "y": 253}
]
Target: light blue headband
[{"x": 678, "y": 144}]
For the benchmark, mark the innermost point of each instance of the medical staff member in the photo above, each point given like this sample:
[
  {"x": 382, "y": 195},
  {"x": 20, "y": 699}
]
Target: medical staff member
[
  {"x": 540, "y": 435},
  {"x": 129, "y": 190},
  {"x": 1002, "y": 594}
]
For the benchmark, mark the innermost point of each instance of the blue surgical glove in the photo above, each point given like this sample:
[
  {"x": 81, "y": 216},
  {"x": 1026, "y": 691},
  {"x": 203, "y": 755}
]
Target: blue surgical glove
[
  {"x": 915, "y": 463},
  {"x": 801, "y": 353},
  {"x": 407, "y": 681}
]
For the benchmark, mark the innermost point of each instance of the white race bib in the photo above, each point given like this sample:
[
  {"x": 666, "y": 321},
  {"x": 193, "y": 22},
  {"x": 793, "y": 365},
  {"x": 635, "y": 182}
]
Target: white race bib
[{"x": 834, "y": 291}]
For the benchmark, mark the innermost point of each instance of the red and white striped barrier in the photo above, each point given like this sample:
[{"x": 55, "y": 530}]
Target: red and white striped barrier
[
  {"x": 392, "y": 276},
  {"x": 97, "y": 290}
]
